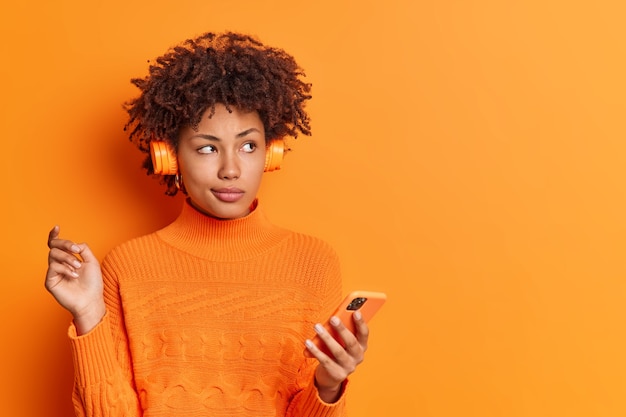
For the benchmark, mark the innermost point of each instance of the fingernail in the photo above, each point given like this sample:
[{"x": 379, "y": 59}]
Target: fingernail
[
  {"x": 75, "y": 274},
  {"x": 75, "y": 248},
  {"x": 76, "y": 264},
  {"x": 334, "y": 321},
  {"x": 357, "y": 315},
  {"x": 308, "y": 343},
  {"x": 319, "y": 329}
]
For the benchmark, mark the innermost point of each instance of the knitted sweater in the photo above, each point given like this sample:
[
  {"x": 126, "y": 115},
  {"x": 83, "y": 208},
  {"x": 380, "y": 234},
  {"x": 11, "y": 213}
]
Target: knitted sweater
[{"x": 208, "y": 317}]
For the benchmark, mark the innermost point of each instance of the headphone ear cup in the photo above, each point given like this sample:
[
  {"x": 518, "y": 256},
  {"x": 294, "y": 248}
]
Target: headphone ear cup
[
  {"x": 163, "y": 158},
  {"x": 165, "y": 163},
  {"x": 274, "y": 155}
]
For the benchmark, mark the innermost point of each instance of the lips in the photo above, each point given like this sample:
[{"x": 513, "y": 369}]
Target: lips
[{"x": 228, "y": 195}]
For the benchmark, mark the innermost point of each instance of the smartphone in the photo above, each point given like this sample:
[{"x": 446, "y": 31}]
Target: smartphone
[{"x": 367, "y": 302}]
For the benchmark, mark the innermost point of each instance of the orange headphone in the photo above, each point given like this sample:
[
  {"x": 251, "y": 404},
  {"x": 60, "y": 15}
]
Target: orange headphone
[{"x": 165, "y": 163}]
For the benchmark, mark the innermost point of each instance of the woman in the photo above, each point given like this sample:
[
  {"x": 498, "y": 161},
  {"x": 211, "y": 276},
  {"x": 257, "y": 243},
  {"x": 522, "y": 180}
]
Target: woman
[{"x": 209, "y": 315}]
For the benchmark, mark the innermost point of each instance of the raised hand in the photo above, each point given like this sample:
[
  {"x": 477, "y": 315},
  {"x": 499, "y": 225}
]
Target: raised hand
[{"x": 75, "y": 280}]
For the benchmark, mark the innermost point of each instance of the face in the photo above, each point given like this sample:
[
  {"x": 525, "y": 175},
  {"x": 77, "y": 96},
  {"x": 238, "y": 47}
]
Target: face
[{"x": 222, "y": 162}]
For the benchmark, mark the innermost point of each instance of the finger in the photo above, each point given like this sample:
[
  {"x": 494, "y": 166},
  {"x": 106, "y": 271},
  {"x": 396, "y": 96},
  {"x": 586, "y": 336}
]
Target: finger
[
  {"x": 59, "y": 270},
  {"x": 60, "y": 256},
  {"x": 307, "y": 352},
  {"x": 85, "y": 252},
  {"x": 65, "y": 245},
  {"x": 328, "y": 372},
  {"x": 317, "y": 353},
  {"x": 362, "y": 329},
  {"x": 333, "y": 345},
  {"x": 54, "y": 233},
  {"x": 352, "y": 345}
]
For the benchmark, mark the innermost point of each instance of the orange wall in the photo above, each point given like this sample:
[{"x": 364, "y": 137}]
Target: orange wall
[{"x": 467, "y": 158}]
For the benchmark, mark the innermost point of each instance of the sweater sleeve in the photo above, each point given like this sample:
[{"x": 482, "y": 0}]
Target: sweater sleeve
[
  {"x": 103, "y": 378},
  {"x": 307, "y": 402}
]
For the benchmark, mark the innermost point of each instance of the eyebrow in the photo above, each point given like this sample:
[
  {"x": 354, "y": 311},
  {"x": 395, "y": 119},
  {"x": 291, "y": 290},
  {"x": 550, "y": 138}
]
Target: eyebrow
[{"x": 215, "y": 138}]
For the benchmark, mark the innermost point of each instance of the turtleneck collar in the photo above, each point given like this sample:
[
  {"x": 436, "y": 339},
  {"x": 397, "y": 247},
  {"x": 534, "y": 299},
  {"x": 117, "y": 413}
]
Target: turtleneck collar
[{"x": 222, "y": 240}]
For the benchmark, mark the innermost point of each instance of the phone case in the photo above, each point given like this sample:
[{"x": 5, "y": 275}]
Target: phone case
[{"x": 367, "y": 302}]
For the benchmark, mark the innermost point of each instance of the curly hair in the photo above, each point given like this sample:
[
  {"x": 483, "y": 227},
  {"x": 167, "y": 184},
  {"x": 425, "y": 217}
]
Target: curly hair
[{"x": 231, "y": 69}]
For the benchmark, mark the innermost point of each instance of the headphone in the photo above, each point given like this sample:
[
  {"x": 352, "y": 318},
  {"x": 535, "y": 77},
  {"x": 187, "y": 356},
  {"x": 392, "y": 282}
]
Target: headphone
[{"x": 165, "y": 163}]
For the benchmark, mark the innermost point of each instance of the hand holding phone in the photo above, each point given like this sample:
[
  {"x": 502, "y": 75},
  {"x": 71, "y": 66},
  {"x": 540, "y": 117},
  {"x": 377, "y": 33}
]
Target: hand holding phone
[{"x": 366, "y": 302}]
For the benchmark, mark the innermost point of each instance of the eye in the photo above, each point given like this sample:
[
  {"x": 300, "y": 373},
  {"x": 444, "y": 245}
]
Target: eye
[
  {"x": 207, "y": 149},
  {"x": 249, "y": 147}
]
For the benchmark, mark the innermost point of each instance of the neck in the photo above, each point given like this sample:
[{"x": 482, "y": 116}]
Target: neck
[{"x": 222, "y": 239}]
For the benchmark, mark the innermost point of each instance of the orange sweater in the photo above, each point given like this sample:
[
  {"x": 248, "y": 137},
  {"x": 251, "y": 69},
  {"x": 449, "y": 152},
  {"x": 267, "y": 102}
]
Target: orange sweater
[{"x": 208, "y": 317}]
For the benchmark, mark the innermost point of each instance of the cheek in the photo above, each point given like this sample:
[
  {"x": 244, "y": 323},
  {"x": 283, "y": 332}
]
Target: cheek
[
  {"x": 194, "y": 176},
  {"x": 255, "y": 167},
  {"x": 193, "y": 165}
]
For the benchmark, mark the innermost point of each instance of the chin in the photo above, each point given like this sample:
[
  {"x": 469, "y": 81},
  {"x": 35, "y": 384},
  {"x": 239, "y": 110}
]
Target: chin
[
  {"x": 225, "y": 213},
  {"x": 231, "y": 215}
]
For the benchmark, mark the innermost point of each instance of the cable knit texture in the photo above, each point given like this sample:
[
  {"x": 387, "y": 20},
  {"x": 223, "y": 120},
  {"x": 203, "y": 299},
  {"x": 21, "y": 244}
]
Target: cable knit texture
[{"x": 208, "y": 317}]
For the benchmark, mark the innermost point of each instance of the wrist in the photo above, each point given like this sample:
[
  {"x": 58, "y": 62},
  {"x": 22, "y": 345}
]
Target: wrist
[
  {"x": 329, "y": 394},
  {"x": 87, "y": 320}
]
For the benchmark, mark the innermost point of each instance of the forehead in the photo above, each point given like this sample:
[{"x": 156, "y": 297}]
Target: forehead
[
  {"x": 224, "y": 118},
  {"x": 221, "y": 123}
]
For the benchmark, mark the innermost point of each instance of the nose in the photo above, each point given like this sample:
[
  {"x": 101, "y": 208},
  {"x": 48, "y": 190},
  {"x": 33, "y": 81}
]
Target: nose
[{"x": 229, "y": 167}]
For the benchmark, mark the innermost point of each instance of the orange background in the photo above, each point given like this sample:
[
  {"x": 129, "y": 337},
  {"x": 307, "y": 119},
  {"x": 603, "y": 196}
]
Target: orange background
[{"x": 467, "y": 158}]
